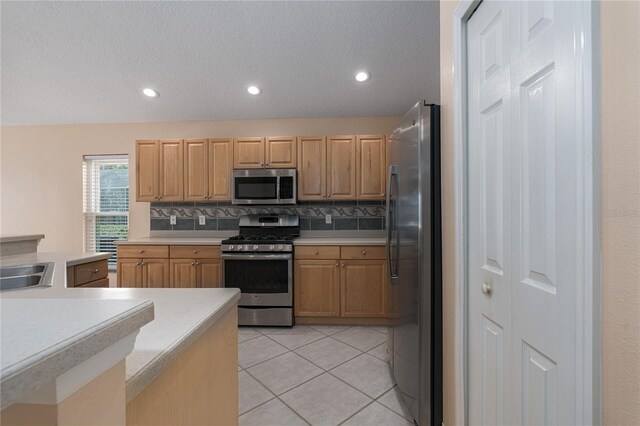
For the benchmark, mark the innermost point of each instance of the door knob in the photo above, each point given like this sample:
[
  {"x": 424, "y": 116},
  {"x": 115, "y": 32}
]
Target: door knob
[{"x": 486, "y": 289}]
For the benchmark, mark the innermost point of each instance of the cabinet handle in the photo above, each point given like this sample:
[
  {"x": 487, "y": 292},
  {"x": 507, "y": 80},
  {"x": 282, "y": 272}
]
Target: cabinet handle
[
  {"x": 193, "y": 263},
  {"x": 317, "y": 252},
  {"x": 364, "y": 252},
  {"x": 95, "y": 271},
  {"x": 195, "y": 251},
  {"x": 197, "y": 262},
  {"x": 337, "y": 264},
  {"x": 343, "y": 265},
  {"x": 141, "y": 263},
  {"x": 141, "y": 251}
]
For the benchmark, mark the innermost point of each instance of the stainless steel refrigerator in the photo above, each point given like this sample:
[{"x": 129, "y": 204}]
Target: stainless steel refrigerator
[{"x": 415, "y": 262}]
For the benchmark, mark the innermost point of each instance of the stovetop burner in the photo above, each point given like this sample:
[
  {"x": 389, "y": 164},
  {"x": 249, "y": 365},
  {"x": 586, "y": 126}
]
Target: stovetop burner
[
  {"x": 260, "y": 233},
  {"x": 258, "y": 237}
]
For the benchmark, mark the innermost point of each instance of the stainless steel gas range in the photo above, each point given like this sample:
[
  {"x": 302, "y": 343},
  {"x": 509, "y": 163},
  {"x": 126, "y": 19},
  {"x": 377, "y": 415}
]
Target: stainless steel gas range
[{"x": 259, "y": 261}]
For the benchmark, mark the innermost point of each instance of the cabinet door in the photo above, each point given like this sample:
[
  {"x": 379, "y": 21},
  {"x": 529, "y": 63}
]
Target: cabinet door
[
  {"x": 155, "y": 273},
  {"x": 248, "y": 153},
  {"x": 209, "y": 273},
  {"x": 183, "y": 273},
  {"x": 312, "y": 168},
  {"x": 281, "y": 152},
  {"x": 220, "y": 169},
  {"x": 147, "y": 162},
  {"x": 129, "y": 273},
  {"x": 196, "y": 170},
  {"x": 341, "y": 167},
  {"x": 364, "y": 288},
  {"x": 371, "y": 167},
  {"x": 171, "y": 170},
  {"x": 317, "y": 288}
]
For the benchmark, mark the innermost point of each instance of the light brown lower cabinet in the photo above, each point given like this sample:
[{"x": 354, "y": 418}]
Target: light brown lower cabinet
[
  {"x": 189, "y": 273},
  {"x": 90, "y": 274},
  {"x": 168, "y": 266},
  {"x": 143, "y": 273},
  {"x": 363, "y": 287},
  {"x": 317, "y": 288},
  {"x": 351, "y": 287}
]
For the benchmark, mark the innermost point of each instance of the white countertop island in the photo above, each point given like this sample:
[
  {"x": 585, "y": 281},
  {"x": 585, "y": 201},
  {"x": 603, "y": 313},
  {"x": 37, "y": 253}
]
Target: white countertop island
[{"x": 67, "y": 321}]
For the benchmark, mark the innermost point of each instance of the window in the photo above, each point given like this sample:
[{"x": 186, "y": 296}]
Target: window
[{"x": 106, "y": 203}]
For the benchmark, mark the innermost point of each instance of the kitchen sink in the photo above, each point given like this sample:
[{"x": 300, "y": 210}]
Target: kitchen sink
[
  {"x": 14, "y": 271},
  {"x": 26, "y": 276}
]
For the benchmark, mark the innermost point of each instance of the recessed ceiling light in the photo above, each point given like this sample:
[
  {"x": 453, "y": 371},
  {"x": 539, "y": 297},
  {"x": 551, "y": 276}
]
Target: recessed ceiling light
[
  {"x": 363, "y": 76},
  {"x": 150, "y": 93},
  {"x": 254, "y": 90}
]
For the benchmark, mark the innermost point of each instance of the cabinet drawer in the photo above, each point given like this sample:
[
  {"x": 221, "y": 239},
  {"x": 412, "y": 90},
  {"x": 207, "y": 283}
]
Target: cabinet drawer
[
  {"x": 363, "y": 252},
  {"x": 195, "y": 252},
  {"x": 97, "y": 283},
  {"x": 93, "y": 271},
  {"x": 143, "y": 252},
  {"x": 317, "y": 252}
]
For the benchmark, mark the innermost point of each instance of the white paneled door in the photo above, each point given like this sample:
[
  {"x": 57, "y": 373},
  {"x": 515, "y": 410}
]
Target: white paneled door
[{"x": 524, "y": 214}]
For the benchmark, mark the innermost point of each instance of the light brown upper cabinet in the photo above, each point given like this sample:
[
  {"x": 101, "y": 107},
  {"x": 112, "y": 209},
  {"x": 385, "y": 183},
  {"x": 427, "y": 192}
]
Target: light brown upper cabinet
[
  {"x": 312, "y": 168},
  {"x": 341, "y": 167},
  {"x": 207, "y": 169},
  {"x": 220, "y": 168},
  {"x": 371, "y": 167},
  {"x": 196, "y": 170},
  {"x": 147, "y": 175},
  {"x": 275, "y": 152},
  {"x": 280, "y": 152},
  {"x": 248, "y": 153},
  {"x": 159, "y": 166}
]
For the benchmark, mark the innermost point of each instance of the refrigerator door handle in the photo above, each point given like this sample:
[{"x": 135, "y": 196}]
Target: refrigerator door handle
[{"x": 390, "y": 223}]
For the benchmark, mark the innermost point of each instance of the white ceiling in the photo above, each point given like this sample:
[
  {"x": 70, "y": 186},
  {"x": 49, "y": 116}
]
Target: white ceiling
[{"x": 87, "y": 62}]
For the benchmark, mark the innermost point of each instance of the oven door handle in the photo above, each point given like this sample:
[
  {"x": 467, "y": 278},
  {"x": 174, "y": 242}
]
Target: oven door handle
[{"x": 257, "y": 256}]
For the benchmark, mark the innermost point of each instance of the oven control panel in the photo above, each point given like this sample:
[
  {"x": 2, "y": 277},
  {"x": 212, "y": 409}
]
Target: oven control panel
[{"x": 232, "y": 248}]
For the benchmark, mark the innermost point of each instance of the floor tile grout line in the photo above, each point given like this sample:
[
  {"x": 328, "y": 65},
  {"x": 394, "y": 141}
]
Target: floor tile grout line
[
  {"x": 338, "y": 365},
  {"x": 300, "y": 384},
  {"x": 370, "y": 397},
  {"x": 338, "y": 340},
  {"x": 268, "y": 359},
  {"x": 278, "y": 396},
  {"x": 351, "y": 416},
  {"x": 298, "y": 346},
  {"x": 401, "y": 415}
]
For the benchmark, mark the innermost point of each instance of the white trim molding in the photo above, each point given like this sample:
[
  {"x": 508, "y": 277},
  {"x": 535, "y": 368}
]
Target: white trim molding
[{"x": 588, "y": 363}]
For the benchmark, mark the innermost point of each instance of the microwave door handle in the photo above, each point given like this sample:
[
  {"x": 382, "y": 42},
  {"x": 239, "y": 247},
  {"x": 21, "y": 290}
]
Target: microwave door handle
[{"x": 277, "y": 187}]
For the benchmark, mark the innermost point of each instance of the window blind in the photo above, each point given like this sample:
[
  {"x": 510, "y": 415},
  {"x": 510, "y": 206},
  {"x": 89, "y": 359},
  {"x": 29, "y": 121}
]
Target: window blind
[{"x": 106, "y": 203}]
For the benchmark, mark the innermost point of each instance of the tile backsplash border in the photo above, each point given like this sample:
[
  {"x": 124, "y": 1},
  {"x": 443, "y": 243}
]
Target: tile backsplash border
[{"x": 223, "y": 216}]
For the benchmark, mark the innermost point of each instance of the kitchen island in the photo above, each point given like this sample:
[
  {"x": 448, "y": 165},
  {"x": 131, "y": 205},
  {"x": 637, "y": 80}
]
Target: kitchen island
[{"x": 182, "y": 368}]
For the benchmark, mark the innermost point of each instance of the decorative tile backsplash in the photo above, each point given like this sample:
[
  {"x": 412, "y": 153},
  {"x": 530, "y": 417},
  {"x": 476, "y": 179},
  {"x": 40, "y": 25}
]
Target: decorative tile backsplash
[{"x": 345, "y": 215}]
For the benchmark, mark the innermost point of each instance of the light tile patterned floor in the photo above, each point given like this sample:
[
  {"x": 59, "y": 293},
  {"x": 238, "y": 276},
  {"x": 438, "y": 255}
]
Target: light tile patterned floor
[{"x": 317, "y": 375}]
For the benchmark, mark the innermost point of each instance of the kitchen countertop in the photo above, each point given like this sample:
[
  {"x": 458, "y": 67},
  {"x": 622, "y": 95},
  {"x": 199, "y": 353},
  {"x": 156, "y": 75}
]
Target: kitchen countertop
[
  {"x": 366, "y": 238},
  {"x": 10, "y": 238},
  {"x": 181, "y": 315},
  {"x": 44, "y": 338},
  {"x": 71, "y": 259},
  {"x": 339, "y": 241},
  {"x": 177, "y": 241}
]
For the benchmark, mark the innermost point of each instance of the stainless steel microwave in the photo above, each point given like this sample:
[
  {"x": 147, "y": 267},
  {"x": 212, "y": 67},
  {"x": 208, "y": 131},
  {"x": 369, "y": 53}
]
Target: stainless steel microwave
[{"x": 264, "y": 186}]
